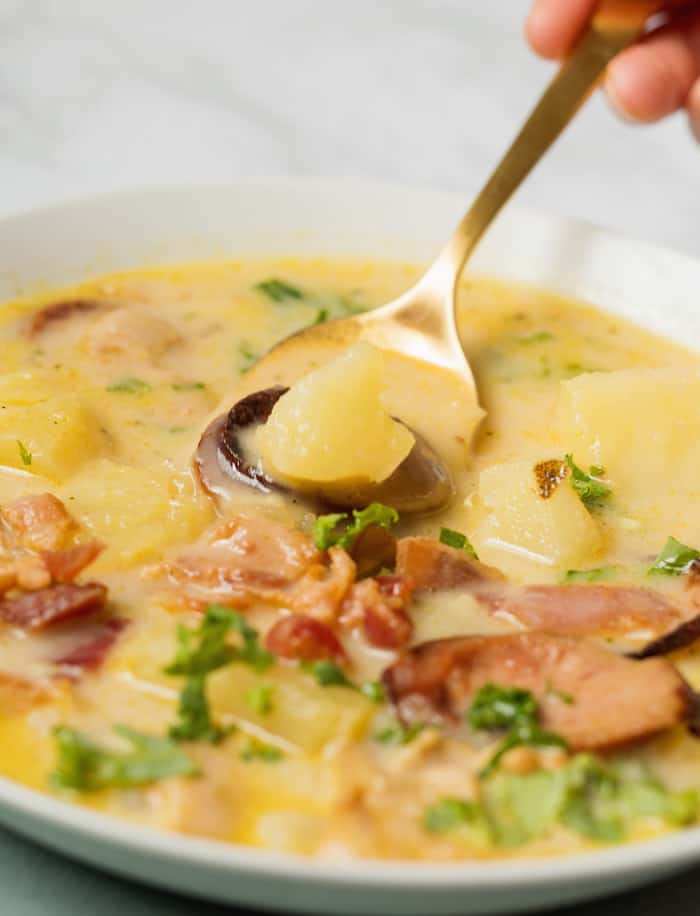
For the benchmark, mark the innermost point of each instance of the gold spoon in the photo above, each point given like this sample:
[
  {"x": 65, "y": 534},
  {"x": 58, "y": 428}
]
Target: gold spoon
[{"x": 421, "y": 324}]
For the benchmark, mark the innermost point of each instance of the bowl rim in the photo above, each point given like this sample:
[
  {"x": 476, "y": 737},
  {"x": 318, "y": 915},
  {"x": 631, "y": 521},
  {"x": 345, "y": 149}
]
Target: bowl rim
[{"x": 675, "y": 848}]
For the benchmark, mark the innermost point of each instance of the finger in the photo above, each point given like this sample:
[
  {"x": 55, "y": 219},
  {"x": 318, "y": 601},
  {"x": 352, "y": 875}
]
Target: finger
[
  {"x": 553, "y": 27},
  {"x": 654, "y": 78},
  {"x": 694, "y": 109}
]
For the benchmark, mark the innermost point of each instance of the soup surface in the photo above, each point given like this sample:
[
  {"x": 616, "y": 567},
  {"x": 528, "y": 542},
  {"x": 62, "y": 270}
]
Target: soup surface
[{"x": 509, "y": 676}]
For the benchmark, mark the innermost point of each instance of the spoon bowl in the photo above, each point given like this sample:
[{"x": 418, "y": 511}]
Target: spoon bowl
[{"x": 421, "y": 324}]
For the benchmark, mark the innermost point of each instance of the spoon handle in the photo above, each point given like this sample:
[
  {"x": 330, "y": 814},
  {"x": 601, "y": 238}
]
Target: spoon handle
[{"x": 615, "y": 26}]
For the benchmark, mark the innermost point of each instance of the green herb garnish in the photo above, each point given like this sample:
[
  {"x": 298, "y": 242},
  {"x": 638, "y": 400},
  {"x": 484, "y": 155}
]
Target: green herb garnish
[
  {"x": 338, "y": 530},
  {"x": 193, "y": 717},
  {"x": 674, "y": 559},
  {"x": 598, "y": 574},
  {"x": 399, "y": 734},
  {"x": 589, "y": 487},
  {"x": 24, "y": 453},
  {"x": 587, "y": 795},
  {"x": 85, "y": 766},
  {"x": 449, "y": 813},
  {"x": 374, "y": 691},
  {"x": 259, "y": 751},
  {"x": 260, "y": 699},
  {"x": 188, "y": 386},
  {"x": 535, "y": 337},
  {"x": 278, "y": 290},
  {"x": 321, "y": 316},
  {"x": 327, "y": 673},
  {"x": 206, "y": 648},
  {"x": 247, "y": 357},
  {"x": 129, "y": 386},
  {"x": 513, "y": 710},
  {"x": 456, "y": 539}
]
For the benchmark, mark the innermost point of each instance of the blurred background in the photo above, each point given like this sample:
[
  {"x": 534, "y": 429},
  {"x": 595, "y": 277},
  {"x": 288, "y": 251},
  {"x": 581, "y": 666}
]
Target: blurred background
[{"x": 98, "y": 95}]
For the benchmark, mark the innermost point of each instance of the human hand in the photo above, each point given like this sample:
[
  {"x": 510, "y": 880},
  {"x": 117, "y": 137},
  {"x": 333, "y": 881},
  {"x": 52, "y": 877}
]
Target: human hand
[{"x": 657, "y": 76}]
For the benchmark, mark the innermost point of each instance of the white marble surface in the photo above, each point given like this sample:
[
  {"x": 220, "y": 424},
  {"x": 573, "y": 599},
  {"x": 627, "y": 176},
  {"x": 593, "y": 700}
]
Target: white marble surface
[{"x": 103, "y": 94}]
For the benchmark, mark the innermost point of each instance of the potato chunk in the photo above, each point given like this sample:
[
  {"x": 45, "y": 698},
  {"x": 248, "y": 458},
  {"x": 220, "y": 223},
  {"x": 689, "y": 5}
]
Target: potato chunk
[
  {"x": 332, "y": 426},
  {"x": 556, "y": 529},
  {"x": 303, "y": 714},
  {"x": 134, "y": 511},
  {"x": 56, "y": 436},
  {"x": 641, "y": 426}
]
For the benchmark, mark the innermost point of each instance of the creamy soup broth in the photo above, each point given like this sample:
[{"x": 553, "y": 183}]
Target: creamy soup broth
[{"x": 103, "y": 407}]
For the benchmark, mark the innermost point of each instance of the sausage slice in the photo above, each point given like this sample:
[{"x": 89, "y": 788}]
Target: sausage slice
[{"x": 592, "y": 697}]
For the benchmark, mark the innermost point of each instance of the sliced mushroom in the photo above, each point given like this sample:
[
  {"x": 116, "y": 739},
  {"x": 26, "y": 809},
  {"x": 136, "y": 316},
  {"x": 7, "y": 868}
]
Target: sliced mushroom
[{"x": 421, "y": 483}]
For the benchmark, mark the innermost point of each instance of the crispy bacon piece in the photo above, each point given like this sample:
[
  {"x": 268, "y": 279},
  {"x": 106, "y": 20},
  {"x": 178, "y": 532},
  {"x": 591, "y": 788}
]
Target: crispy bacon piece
[
  {"x": 380, "y": 606},
  {"x": 303, "y": 638},
  {"x": 66, "y": 565},
  {"x": 59, "y": 311},
  {"x": 55, "y": 604},
  {"x": 374, "y": 549},
  {"x": 616, "y": 700},
  {"x": 580, "y": 610},
  {"x": 19, "y": 694},
  {"x": 322, "y": 590},
  {"x": 38, "y": 522},
  {"x": 89, "y": 655},
  {"x": 433, "y": 566},
  {"x": 258, "y": 560},
  {"x": 248, "y": 560}
]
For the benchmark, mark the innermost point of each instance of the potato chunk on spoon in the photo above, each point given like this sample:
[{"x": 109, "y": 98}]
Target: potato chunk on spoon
[{"x": 420, "y": 326}]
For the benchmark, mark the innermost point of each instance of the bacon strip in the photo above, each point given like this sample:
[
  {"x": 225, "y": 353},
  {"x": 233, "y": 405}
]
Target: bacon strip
[
  {"x": 59, "y": 311},
  {"x": 66, "y": 565},
  {"x": 90, "y": 655},
  {"x": 55, "y": 604},
  {"x": 581, "y": 610},
  {"x": 303, "y": 638},
  {"x": 433, "y": 566},
  {"x": 19, "y": 694},
  {"x": 39, "y": 522},
  {"x": 380, "y": 607},
  {"x": 616, "y": 700},
  {"x": 248, "y": 560}
]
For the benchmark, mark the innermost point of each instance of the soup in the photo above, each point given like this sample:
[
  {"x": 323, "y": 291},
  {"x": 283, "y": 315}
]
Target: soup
[{"x": 509, "y": 675}]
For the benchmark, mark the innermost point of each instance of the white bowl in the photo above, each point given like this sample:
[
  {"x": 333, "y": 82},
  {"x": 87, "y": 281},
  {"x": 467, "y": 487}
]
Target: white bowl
[{"x": 62, "y": 244}]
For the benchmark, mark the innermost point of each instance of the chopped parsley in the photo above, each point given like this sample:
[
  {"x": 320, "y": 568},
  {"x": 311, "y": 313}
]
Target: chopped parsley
[
  {"x": 374, "y": 691},
  {"x": 589, "y": 796},
  {"x": 590, "y": 489},
  {"x": 337, "y": 529},
  {"x": 259, "y": 751},
  {"x": 278, "y": 290},
  {"x": 322, "y": 315},
  {"x": 207, "y": 648},
  {"x": 535, "y": 337},
  {"x": 598, "y": 574},
  {"x": 24, "y": 453},
  {"x": 456, "y": 539},
  {"x": 203, "y": 650},
  {"x": 327, "y": 673},
  {"x": 449, "y": 813},
  {"x": 514, "y": 711},
  {"x": 675, "y": 558},
  {"x": 129, "y": 386},
  {"x": 398, "y": 734},
  {"x": 259, "y": 699},
  {"x": 247, "y": 356},
  {"x": 86, "y": 767},
  {"x": 188, "y": 386},
  {"x": 193, "y": 717}
]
